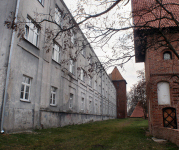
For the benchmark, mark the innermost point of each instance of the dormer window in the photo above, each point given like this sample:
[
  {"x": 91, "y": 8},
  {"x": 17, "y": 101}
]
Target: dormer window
[{"x": 167, "y": 55}]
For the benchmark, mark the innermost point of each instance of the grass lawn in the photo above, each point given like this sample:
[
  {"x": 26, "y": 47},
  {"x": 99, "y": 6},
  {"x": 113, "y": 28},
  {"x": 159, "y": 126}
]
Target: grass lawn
[{"x": 121, "y": 134}]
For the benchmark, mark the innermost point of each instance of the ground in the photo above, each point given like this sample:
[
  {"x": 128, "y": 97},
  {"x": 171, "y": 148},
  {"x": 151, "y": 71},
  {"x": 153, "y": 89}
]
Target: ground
[{"x": 118, "y": 134}]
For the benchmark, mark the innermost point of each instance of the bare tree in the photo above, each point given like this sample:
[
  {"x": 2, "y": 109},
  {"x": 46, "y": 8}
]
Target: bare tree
[
  {"x": 151, "y": 17},
  {"x": 137, "y": 94},
  {"x": 105, "y": 22}
]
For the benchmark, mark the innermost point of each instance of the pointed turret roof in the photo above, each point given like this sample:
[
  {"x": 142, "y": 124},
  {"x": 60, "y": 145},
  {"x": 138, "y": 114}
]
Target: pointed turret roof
[
  {"x": 116, "y": 75},
  {"x": 138, "y": 111}
]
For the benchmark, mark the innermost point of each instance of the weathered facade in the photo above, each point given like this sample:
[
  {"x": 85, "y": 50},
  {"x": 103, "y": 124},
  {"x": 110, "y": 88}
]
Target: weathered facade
[
  {"x": 47, "y": 82},
  {"x": 121, "y": 99},
  {"x": 156, "y": 37}
]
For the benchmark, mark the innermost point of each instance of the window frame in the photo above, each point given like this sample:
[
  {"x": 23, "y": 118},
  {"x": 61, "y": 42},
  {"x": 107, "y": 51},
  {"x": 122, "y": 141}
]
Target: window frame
[
  {"x": 72, "y": 38},
  {"x": 163, "y": 93},
  {"x": 95, "y": 106},
  {"x": 165, "y": 53},
  {"x": 90, "y": 105},
  {"x": 32, "y": 31},
  {"x": 58, "y": 16},
  {"x": 83, "y": 51},
  {"x": 90, "y": 59},
  {"x": 25, "y": 84},
  {"x": 56, "y": 53},
  {"x": 90, "y": 81},
  {"x": 169, "y": 117},
  {"x": 71, "y": 101},
  {"x": 82, "y": 75},
  {"x": 53, "y": 91},
  {"x": 82, "y": 103},
  {"x": 72, "y": 66},
  {"x": 95, "y": 84}
]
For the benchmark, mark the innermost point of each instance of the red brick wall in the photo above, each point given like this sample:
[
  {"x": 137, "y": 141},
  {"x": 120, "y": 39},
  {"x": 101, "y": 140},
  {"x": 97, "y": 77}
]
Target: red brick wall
[
  {"x": 167, "y": 134},
  {"x": 121, "y": 98},
  {"x": 158, "y": 70}
]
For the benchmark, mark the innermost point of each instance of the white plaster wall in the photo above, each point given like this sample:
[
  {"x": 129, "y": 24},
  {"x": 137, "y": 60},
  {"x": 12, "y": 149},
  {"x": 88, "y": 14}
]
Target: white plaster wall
[{"x": 163, "y": 90}]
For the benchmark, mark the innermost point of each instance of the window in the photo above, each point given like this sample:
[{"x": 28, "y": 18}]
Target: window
[
  {"x": 83, "y": 51},
  {"x": 90, "y": 80},
  {"x": 41, "y": 2},
  {"x": 25, "y": 89},
  {"x": 95, "y": 84},
  {"x": 167, "y": 55},
  {"x": 100, "y": 109},
  {"x": 163, "y": 91},
  {"x": 72, "y": 36},
  {"x": 56, "y": 52},
  {"x": 71, "y": 101},
  {"x": 82, "y": 75},
  {"x": 53, "y": 96},
  {"x": 31, "y": 32},
  {"x": 58, "y": 16},
  {"x": 72, "y": 66},
  {"x": 96, "y": 106},
  {"x": 90, "y": 102},
  {"x": 169, "y": 117},
  {"x": 90, "y": 59},
  {"x": 82, "y": 103}
]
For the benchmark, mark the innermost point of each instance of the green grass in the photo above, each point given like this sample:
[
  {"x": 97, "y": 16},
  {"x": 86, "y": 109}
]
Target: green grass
[{"x": 121, "y": 134}]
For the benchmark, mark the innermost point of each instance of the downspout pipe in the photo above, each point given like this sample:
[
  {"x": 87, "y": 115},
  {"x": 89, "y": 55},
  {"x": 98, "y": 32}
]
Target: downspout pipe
[
  {"x": 8, "y": 67},
  {"x": 102, "y": 90}
]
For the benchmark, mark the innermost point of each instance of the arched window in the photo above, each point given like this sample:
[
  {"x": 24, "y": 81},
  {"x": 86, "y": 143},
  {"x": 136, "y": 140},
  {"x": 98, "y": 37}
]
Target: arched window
[
  {"x": 167, "y": 55},
  {"x": 169, "y": 117},
  {"x": 163, "y": 91}
]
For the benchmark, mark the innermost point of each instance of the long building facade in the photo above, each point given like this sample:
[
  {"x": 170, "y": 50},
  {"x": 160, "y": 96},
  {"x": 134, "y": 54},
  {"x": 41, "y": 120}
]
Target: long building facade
[{"x": 48, "y": 78}]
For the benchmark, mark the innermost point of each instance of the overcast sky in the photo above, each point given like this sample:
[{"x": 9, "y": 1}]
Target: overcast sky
[{"x": 129, "y": 70}]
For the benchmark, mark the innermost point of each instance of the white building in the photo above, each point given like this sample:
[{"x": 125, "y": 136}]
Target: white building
[{"x": 48, "y": 81}]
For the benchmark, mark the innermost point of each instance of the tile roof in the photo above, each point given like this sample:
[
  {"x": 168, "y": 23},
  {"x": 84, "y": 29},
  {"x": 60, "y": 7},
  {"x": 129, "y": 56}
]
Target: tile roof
[
  {"x": 150, "y": 13},
  {"x": 138, "y": 111},
  {"x": 116, "y": 75}
]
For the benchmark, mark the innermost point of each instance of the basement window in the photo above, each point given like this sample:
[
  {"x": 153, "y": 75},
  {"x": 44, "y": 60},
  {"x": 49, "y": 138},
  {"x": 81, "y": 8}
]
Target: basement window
[{"x": 169, "y": 117}]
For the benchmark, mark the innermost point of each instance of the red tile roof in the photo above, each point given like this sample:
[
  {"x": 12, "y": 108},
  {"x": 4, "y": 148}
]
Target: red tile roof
[
  {"x": 115, "y": 75},
  {"x": 138, "y": 111},
  {"x": 150, "y": 13}
]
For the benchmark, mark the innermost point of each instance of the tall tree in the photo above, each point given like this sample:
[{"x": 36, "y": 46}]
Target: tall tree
[{"x": 137, "y": 94}]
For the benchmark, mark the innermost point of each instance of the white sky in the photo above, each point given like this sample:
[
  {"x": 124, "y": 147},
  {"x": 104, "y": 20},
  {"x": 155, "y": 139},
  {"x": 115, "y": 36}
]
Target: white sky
[{"x": 129, "y": 70}]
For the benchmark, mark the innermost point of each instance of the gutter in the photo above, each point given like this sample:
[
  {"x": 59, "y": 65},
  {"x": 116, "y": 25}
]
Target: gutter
[{"x": 8, "y": 68}]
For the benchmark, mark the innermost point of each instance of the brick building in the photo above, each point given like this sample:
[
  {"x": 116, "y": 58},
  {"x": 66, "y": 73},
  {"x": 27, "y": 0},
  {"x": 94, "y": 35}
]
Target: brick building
[
  {"x": 121, "y": 99},
  {"x": 156, "y": 43}
]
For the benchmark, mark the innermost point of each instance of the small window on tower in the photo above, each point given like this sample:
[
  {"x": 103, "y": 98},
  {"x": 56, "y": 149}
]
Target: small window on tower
[{"x": 167, "y": 55}]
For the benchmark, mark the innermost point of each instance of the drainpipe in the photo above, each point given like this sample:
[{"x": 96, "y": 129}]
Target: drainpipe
[
  {"x": 8, "y": 68},
  {"x": 102, "y": 90}
]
